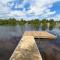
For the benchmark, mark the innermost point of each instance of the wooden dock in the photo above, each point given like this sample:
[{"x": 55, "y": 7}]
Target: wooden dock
[
  {"x": 27, "y": 48},
  {"x": 40, "y": 34}
]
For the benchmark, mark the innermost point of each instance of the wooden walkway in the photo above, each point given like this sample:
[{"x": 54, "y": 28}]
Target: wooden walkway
[
  {"x": 27, "y": 48},
  {"x": 39, "y": 34}
]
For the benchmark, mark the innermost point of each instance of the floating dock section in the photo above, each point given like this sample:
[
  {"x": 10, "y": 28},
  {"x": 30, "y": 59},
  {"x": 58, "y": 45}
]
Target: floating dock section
[
  {"x": 27, "y": 48},
  {"x": 40, "y": 34}
]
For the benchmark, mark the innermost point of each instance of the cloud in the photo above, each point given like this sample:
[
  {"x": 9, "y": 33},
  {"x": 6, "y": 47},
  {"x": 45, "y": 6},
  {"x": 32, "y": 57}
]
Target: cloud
[
  {"x": 27, "y": 9},
  {"x": 56, "y": 17},
  {"x": 41, "y": 6},
  {"x": 4, "y": 9}
]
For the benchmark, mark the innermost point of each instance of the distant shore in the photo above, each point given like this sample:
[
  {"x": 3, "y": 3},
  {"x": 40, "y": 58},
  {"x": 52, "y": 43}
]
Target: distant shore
[{"x": 36, "y": 23}]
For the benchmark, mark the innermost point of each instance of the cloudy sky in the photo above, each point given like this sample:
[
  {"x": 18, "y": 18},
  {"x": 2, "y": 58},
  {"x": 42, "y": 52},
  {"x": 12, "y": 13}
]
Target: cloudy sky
[{"x": 30, "y": 9}]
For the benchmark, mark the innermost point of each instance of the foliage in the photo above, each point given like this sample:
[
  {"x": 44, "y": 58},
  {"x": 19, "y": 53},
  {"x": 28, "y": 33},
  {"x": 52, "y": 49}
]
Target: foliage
[
  {"x": 35, "y": 23},
  {"x": 51, "y": 24},
  {"x": 44, "y": 24},
  {"x": 22, "y": 22},
  {"x": 8, "y": 22}
]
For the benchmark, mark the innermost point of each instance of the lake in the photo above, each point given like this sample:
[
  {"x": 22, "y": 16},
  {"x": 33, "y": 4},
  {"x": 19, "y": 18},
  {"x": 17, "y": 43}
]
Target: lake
[{"x": 11, "y": 35}]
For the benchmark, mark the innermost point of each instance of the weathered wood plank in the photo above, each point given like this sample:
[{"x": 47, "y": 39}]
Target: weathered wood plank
[
  {"x": 26, "y": 50},
  {"x": 40, "y": 34}
]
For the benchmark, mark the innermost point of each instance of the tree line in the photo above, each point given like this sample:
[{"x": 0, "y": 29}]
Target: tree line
[{"x": 34, "y": 22}]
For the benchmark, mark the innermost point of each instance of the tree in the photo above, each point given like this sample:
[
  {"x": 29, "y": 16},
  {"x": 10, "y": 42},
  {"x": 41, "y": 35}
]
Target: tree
[{"x": 44, "y": 24}]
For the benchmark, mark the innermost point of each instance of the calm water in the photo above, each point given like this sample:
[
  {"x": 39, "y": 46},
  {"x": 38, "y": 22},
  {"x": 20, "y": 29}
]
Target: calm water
[{"x": 11, "y": 35}]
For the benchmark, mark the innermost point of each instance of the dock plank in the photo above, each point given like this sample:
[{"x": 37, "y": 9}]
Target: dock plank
[
  {"x": 40, "y": 34},
  {"x": 26, "y": 50}
]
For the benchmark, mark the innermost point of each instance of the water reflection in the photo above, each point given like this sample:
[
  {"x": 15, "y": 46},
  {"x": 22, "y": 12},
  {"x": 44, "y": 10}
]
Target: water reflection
[
  {"x": 51, "y": 26},
  {"x": 48, "y": 50},
  {"x": 35, "y": 27},
  {"x": 43, "y": 26},
  {"x": 10, "y": 36}
]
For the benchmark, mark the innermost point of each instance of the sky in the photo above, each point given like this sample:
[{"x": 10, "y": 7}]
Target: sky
[{"x": 30, "y": 9}]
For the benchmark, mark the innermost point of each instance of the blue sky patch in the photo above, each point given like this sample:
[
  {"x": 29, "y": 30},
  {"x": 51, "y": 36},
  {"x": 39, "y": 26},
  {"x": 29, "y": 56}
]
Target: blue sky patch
[
  {"x": 30, "y": 8},
  {"x": 56, "y": 7}
]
